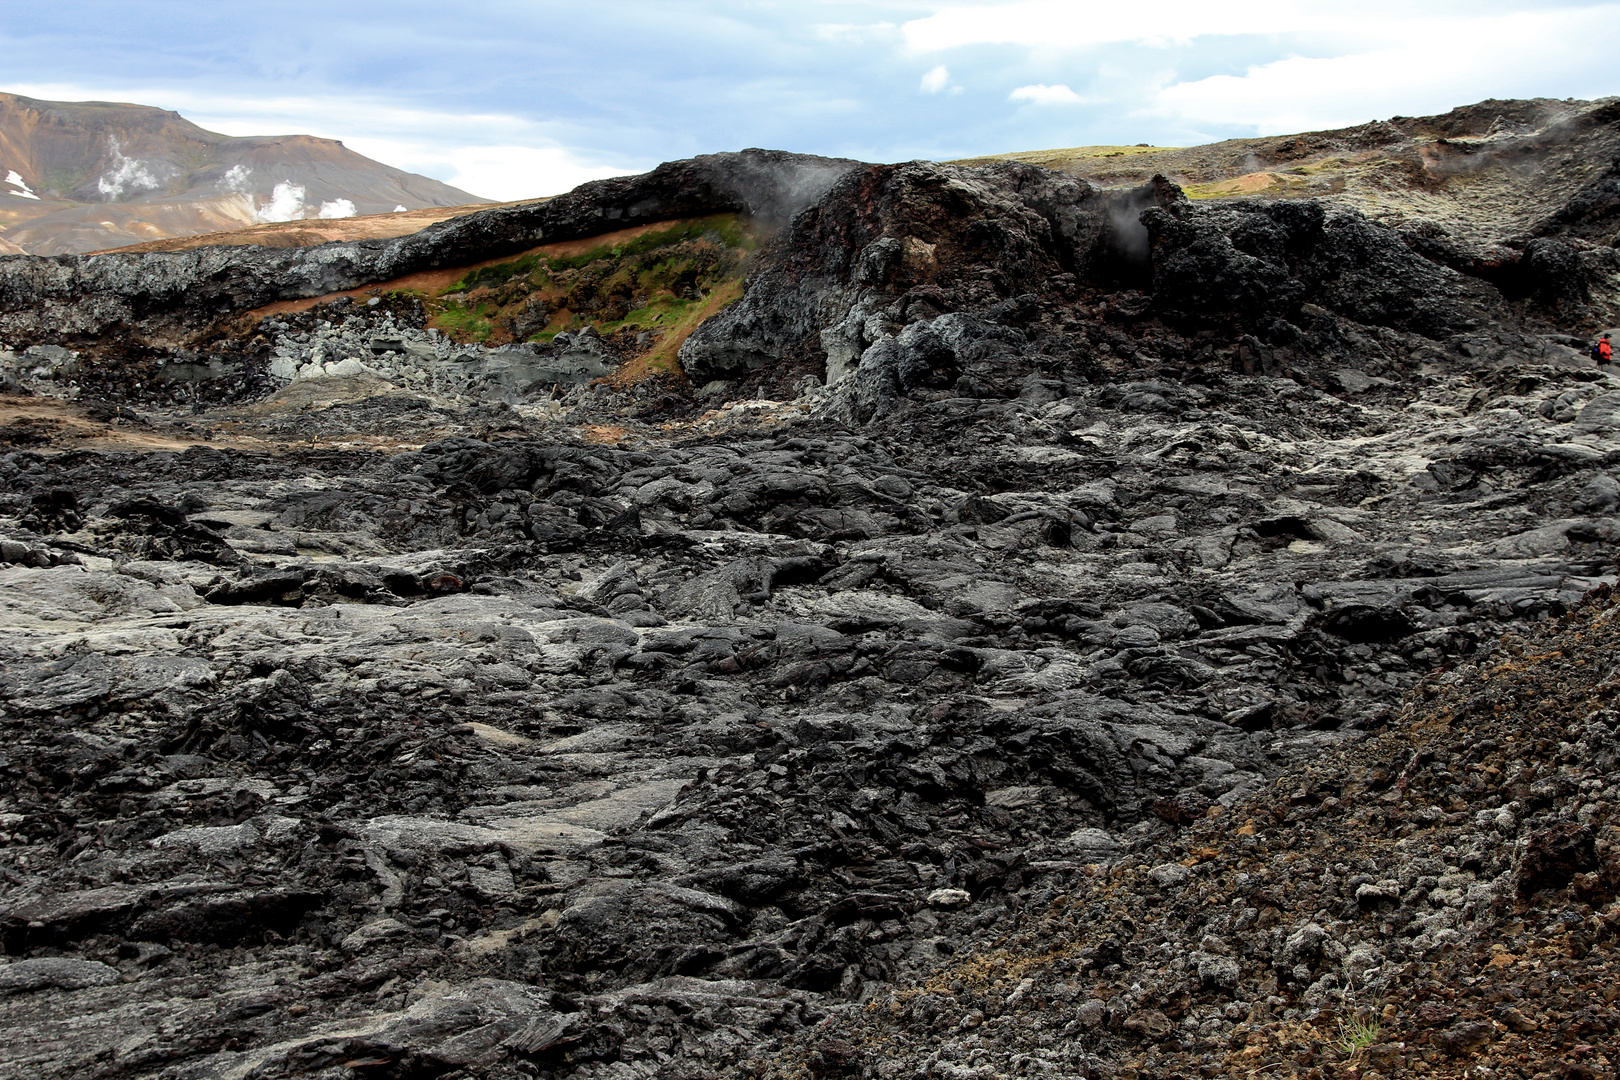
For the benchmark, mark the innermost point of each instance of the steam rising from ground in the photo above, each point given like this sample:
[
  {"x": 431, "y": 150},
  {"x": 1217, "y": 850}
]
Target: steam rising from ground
[
  {"x": 1127, "y": 234},
  {"x": 286, "y": 203},
  {"x": 127, "y": 175},
  {"x": 773, "y": 191},
  {"x": 1126, "y": 246}
]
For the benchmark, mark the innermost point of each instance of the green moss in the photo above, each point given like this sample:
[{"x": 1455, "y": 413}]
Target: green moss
[
  {"x": 463, "y": 323},
  {"x": 655, "y": 281},
  {"x": 659, "y": 313},
  {"x": 722, "y": 230},
  {"x": 59, "y": 181},
  {"x": 499, "y": 274}
]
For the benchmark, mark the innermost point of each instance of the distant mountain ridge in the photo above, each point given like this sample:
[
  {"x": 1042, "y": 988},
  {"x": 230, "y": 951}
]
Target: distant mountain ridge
[{"x": 86, "y": 176}]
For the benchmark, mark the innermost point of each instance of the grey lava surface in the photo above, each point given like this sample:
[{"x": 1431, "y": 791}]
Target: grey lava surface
[{"x": 446, "y": 722}]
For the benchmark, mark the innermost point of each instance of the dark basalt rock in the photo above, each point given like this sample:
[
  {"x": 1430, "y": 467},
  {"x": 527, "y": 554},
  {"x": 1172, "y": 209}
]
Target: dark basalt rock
[
  {"x": 561, "y": 741},
  {"x": 920, "y": 239},
  {"x": 1554, "y": 856},
  {"x": 998, "y": 242},
  {"x": 1250, "y": 265}
]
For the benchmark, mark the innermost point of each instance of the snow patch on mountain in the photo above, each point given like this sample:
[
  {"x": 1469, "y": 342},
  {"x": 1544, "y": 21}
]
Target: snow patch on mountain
[{"x": 14, "y": 178}]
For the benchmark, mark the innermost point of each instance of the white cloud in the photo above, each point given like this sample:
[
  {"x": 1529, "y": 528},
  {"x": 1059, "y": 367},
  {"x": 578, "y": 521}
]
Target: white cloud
[
  {"x": 857, "y": 33},
  {"x": 442, "y": 145},
  {"x": 1041, "y": 94},
  {"x": 1063, "y": 24},
  {"x": 286, "y": 203},
  {"x": 338, "y": 208},
  {"x": 849, "y": 80},
  {"x": 1497, "y": 56},
  {"x": 492, "y": 155},
  {"x": 1049, "y": 24},
  {"x": 508, "y": 173}
]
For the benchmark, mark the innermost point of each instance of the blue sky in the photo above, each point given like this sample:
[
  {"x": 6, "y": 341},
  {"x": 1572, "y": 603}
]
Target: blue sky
[{"x": 512, "y": 99}]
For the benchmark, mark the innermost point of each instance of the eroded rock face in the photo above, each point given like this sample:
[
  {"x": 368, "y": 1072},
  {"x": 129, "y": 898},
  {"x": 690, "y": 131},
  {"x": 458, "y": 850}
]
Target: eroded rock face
[
  {"x": 1241, "y": 266},
  {"x": 922, "y": 278},
  {"x": 440, "y": 737},
  {"x": 892, "y": 245}
]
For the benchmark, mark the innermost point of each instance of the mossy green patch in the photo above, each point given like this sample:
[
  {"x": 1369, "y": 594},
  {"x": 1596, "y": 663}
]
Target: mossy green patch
[
  {"x": 660, "y": 312},
  {"x": 464, "y": 323},
  {"x": 663, "y": 357},
  {"x": 60, "y": 181},
  {"x": 657, "y": 281},
  {"x": 724, "y": 230}
]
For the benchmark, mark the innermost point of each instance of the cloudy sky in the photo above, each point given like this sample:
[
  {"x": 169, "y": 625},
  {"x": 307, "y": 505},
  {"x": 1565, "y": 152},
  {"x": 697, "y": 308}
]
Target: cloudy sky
[{"x": 529, "y": 97}]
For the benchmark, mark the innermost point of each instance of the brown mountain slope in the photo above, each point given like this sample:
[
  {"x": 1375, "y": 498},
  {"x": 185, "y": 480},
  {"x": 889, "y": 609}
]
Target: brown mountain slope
[
  {"x": 88, "y": 176},
  {"x": 308, "y": 233},
  {"x": 1478, "y": 174}
]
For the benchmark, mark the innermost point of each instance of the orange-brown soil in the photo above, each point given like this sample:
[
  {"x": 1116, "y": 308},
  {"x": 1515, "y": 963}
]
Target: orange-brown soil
[{"x": 310, "y": 232}]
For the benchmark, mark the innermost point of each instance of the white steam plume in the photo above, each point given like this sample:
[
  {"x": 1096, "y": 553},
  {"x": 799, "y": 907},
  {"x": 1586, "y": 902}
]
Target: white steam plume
[
  {"x": 127, "y": 175},
  {"x": 237, "y": 179},
  {"x": 337, "y": 208},
  {"x": 286, "y": 203}
]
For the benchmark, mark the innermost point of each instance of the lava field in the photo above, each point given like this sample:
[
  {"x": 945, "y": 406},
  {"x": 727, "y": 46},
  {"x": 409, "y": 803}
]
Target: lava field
[{"x": 377, "y": 705}]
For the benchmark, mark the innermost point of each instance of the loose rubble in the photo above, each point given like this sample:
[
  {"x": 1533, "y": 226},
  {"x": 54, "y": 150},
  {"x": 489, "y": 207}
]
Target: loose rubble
[{"x": 1439, "y": 900}]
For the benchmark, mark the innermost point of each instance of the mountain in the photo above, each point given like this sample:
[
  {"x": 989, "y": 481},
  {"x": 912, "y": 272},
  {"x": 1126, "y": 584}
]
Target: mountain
[
  {"x": 1471, "y": 180},
  {"x": 310, "y": 232},
  {"x": 86, "y": 176}
]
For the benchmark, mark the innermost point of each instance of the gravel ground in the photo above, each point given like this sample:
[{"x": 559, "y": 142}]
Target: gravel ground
[{"x": 1438, "y": 900}]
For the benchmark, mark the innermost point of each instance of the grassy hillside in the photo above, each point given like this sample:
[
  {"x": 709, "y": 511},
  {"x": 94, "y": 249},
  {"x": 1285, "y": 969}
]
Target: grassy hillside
[{"x": 662, "y": 282}]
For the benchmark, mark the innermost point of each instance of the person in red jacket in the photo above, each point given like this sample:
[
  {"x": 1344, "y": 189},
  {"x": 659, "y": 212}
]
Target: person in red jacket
[{"x": 1604, "y": 351}]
